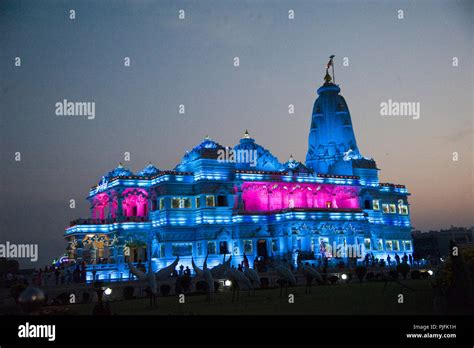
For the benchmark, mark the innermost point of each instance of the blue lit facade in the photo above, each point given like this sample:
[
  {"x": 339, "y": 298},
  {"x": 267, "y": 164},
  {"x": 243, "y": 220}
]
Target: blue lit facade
[{"x": 265, "y": 208}]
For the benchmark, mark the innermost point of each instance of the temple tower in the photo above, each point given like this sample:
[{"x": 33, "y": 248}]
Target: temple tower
[{"x": 332, "y": 143}]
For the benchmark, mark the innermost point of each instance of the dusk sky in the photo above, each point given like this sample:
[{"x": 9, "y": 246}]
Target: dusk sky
[{"x": 190, "y": 61}]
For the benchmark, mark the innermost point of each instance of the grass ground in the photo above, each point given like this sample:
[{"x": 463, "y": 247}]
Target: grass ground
[{"x": 367, "y": 298}]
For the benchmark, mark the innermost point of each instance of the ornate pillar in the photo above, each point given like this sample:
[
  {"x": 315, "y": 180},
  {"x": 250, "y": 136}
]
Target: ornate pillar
[
  {"x": 119, "y": 213},
  {"x": 79, "y": 249},
  {"x": 240, "y": 205},
  {"x": 118, "y": 252},
  {"x": 110, "y": 205},
  {"x": 294, "y": 247}
]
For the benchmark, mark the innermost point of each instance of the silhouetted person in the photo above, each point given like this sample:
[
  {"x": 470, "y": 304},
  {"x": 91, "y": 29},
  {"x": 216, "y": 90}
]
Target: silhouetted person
[
  {"x": 405, "y": 258},
  {"x": 245, "y": 262},
  {"x": 397, "y": 258}
]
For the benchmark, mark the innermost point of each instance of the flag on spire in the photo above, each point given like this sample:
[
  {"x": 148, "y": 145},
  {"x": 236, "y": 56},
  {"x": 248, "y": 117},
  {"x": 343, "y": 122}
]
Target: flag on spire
[{"x": 330, "y": 63}]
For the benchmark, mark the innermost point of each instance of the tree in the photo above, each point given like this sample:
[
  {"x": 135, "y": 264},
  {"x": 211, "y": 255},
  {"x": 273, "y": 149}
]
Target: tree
[{"x": 453, "y": 284}]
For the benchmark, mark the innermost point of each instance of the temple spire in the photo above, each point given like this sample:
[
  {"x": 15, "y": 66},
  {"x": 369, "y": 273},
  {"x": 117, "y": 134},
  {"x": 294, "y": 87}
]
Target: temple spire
[
  {"x": 246, "y": 135},
  {"x": 331, "y": 134},
  {"x": 327, "y": 78},
  {"x": 330, "y": 64}
]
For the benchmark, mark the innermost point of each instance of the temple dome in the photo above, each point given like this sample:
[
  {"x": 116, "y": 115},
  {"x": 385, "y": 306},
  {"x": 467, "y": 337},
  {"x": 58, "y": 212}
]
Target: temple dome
[
  {"x": 296, "y": 166},
  {"x": 149, "y": 170},
  {"x": 119, "y": 171},
  {"x": 264, "y": 160},
  {"x": 207, "y": 149}
]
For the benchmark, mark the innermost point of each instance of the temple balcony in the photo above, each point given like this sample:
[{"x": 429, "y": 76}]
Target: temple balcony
[
  {"x": 108, "y": 221},
  {"x": 307, "y": 214},
  {"x": 106, "y": 226},
  {"x": 280, "y": 211}
]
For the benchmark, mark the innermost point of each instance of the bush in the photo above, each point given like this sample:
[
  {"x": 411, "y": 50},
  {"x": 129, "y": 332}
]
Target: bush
[
  {"x": 415, "y": 274},
  {"x": 333, "y": 279},
  {"x": 264, "y": 282},
  {"x": 128, "y": 292},
  {"x": 403, "y": 269},
  {"x": 216, "y": 286},
  {"x": 165, "y": 289},
  {"x": 360, "y": 272}
]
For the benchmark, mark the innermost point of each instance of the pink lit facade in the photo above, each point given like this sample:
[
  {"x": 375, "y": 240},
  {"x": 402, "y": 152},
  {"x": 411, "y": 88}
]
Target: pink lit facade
[
  {"x": 271, "y": 196},
  {"x": 131, "y": 202}
]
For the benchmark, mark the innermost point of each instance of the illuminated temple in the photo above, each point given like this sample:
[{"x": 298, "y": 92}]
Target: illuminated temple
[{"x": 249, "y": 203}]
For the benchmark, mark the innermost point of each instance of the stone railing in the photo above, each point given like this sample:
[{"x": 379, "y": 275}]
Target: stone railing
[{"x": 109, "y": 220}]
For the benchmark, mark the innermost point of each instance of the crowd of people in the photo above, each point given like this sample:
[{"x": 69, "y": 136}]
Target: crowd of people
[
  {"x": 64, "y": 273},
  {"x": 67, "y": 273},
  {"x": 371, "y": 261}
]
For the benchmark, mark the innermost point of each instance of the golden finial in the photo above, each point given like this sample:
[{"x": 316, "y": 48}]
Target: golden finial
[{"x": 327, "y": 78}]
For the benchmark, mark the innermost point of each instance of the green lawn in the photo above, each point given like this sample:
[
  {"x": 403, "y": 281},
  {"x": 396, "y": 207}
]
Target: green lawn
[{"x": 351, "y": 299}]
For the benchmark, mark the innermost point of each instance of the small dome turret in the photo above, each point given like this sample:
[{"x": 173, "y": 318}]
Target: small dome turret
[
  {"x": 117, "y": 172},
  {"x": 255, "y": 156},
  {"x": 149, "y": 170}
]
